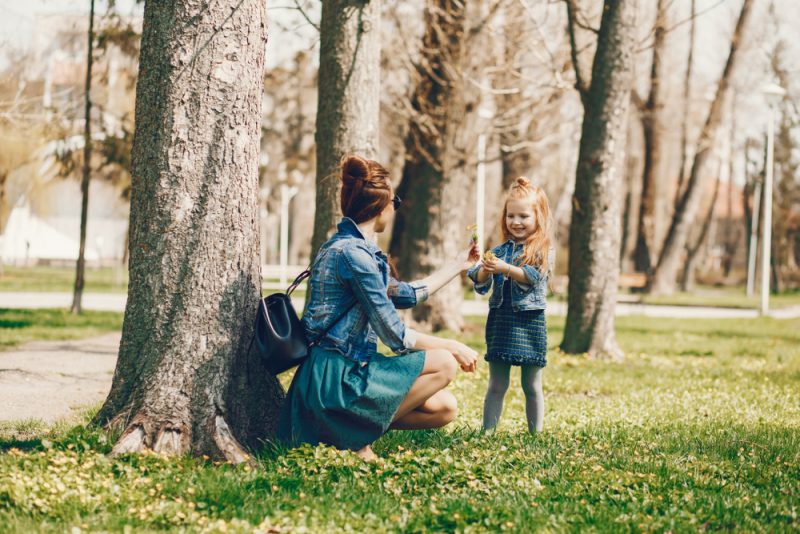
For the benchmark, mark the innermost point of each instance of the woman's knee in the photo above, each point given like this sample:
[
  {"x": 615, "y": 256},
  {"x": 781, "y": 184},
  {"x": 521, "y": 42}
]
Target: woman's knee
[
  {"x": 444, "y": 364},
  {"x": 447, "y": 407}
]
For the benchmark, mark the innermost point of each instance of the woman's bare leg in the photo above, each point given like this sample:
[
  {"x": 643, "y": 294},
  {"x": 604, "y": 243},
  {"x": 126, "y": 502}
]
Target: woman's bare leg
[
  {"x": 436, "y": 412},
  {"x": 439, "y": 370}
]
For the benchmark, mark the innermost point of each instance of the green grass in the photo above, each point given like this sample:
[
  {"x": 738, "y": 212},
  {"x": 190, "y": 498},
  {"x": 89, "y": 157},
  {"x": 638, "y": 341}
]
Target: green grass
[
  {"x": 18, "y": 326},
  {"x": 726, "y": 297},
  {"x": 697, "y": 430},
  {"x": 61, "y": 279}
]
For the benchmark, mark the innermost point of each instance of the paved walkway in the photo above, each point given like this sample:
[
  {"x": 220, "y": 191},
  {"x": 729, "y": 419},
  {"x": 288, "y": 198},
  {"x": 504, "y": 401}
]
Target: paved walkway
[
  {"x": 116, "y": 302},
  {"x": 52, "y": 380}
]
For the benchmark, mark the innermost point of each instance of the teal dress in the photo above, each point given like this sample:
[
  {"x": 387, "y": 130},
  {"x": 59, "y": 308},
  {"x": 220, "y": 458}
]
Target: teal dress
[
  {"x": 345, "y": 403},
  {"x": 346, "y": 394}
]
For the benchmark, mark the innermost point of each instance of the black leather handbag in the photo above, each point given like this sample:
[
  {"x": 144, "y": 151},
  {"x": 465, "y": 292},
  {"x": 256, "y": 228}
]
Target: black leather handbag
[{"x": 279, "y": 334}]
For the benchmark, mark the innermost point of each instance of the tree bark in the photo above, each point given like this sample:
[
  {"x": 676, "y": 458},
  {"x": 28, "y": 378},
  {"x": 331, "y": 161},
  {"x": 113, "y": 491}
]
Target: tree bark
[
  {"x": 651, "y": 129},
  {"x": 186, "y": 378},
  {"x": 687, "y": 102},
  {"x": 348, "y": 105},
  {"x": 663, "y": 278},
  {"x": 438, "y": 171},
  {"x": 692, "y": 256},
  {"x": 80, "y": 267},
  {"x": 595, "y": 230}
]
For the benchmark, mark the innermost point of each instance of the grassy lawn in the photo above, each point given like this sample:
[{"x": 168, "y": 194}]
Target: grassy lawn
[
  {"x": 698, "y": 429},
  {"x": 61, "y": 279},
  {"x": 726, "y": 297},
  {"x": 18, "y": 326}
]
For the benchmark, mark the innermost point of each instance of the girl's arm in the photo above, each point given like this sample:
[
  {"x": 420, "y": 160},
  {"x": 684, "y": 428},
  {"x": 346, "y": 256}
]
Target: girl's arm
[
  {"x": 523, "y": 275},
  {"x": 481, "y": 275}
]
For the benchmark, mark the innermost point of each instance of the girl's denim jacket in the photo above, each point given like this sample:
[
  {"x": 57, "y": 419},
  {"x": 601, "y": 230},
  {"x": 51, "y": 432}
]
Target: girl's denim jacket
[
  {"x": 524, "y": 297},
  {"x": 350, "y": 268}
]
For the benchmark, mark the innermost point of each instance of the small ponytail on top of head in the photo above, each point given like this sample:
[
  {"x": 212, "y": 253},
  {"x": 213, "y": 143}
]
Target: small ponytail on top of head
[{"x": 522, "y": 182}]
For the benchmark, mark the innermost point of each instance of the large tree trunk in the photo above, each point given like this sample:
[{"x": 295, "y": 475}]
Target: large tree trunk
[
  {"x": 664, "y": 275},
  {"x": 185, "y": 380},
  {"x": 80, "y": 267},
  {"x": 651, "y": 129},
  {"x": 595, "y": 230},
  {"x": 429, "y": 228},
  {"x": 348, "y": 105}
]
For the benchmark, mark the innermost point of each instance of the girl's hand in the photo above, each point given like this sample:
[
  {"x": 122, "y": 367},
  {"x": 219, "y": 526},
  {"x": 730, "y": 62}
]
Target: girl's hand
[
  {"x": 495, "y": 266},
  {"x": 466, "y": 357}
]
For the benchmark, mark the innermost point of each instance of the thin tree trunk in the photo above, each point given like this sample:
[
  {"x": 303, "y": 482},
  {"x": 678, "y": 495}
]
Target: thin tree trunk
[
  {"x": 348, "y": 100},
  {"x": 690, "y": 265},
  {"x": 439, "y": 153},
  {"x": 595, "y": 230},
  {"x": 687, "y": 105},
  {"x": 80, "y": 268},
  {"x": 732, "y": 233},
  {"x": 515, "y": 163},
  {"x": 186, "y": 378},
  {"x": 664, "y": 276},
  {"x": 651, "y": 129}
]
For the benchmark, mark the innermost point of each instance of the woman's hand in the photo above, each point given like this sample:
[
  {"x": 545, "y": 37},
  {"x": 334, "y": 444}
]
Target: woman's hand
[
  {"x": 495, "y": 266},
  {"x": 467, "y": 258},
  {"x": 466, "y": 357}
]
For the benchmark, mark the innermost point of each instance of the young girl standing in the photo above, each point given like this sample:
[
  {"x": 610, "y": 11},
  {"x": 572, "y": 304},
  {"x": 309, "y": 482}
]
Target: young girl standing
[{"x": 517, "y": 271}]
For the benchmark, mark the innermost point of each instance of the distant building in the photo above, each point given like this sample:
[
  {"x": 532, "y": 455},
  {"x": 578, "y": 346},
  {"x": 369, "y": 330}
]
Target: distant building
[{"x": 40, "y": 199}]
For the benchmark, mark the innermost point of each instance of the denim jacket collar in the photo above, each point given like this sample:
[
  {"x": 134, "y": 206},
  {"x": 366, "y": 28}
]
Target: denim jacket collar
[{"x": 347, "y": 227}]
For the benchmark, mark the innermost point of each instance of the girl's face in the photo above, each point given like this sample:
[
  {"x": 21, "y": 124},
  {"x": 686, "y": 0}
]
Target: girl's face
[{"x": 520, "y": 219}]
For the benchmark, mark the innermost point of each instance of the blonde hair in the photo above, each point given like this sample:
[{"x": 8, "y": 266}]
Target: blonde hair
[{"x": 537, "y": 246}]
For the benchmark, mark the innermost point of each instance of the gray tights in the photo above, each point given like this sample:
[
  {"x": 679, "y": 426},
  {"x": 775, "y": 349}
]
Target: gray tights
[{"x": 498, "y": 385}]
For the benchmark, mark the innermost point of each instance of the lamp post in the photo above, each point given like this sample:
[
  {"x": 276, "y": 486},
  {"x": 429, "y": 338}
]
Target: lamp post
[{"x": 773, "y": 93}]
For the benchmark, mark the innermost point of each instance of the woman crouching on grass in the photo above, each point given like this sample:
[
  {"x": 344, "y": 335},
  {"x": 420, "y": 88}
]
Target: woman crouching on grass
[{"x": 346, "y": 394}]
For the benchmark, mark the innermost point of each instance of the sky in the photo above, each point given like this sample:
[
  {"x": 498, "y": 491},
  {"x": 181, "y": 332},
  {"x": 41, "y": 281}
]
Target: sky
[{"x": 289, "y": 32}]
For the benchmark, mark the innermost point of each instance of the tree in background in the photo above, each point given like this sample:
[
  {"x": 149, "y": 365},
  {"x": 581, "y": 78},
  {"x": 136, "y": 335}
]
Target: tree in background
[
  {"x": 786, "y": 200},
  {"x": 652, "y": 128},
  {"x": 594, "y": 238},
  {"x": 664, "y": 275},
  {"x": 87, "y": 157},
  {"x": 186, "y": 380},
  {"x": 438, "y": 172},
  {"x": 348, "y": 102}
]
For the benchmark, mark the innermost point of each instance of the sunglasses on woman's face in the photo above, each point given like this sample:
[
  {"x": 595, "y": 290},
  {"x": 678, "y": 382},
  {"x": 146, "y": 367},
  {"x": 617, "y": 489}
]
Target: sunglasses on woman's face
[{"x": 396, "y": 201}]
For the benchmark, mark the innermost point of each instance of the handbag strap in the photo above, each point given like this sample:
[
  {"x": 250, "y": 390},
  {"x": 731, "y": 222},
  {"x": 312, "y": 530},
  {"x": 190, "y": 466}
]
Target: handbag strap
[
  {"x": 339, "y": 318},
  {"x": 297, "y": 281}
]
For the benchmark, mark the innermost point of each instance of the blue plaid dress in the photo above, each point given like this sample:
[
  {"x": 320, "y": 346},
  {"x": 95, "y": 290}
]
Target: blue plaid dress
[{"x": 516, "y": 338}]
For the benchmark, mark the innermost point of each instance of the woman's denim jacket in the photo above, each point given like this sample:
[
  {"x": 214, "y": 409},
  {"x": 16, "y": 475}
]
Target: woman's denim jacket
[
  {"x": 524, "y": 297},
  {"x": 352, "y": 269}
]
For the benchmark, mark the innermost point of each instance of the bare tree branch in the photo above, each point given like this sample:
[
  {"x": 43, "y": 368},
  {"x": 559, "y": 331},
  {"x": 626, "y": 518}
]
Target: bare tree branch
[{"x": 580, "y": 84}]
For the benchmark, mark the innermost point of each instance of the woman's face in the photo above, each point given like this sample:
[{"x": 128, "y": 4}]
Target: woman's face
[{"x": 385, "y": 217}]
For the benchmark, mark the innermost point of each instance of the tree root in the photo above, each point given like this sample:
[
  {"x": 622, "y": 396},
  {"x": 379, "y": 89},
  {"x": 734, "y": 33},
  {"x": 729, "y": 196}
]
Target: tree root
[
  {"x": 172, "y": 441},
  {"x": 228, "y": 446}
]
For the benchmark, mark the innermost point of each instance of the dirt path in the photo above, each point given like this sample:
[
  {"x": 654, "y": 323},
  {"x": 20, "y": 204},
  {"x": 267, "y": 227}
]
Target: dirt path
[{"x": 51, "y": 380}]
